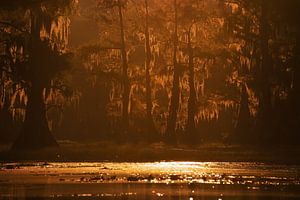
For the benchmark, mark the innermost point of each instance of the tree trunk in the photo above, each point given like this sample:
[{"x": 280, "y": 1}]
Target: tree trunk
[
  {"x": 173, "y": 109},
  {"x": 6, "y": 121},
  {"x": 243, "y": 126},
  {"x": 35, "y": 133},
  {"x": 192, "y": 97},
  {"x": 152, "y": 133},
  {"x": 296, "y": 75},
  {"x": 293, "y": 107},
  {"x": 126, "y": 86},
  {"x": 265, "y": 112}
]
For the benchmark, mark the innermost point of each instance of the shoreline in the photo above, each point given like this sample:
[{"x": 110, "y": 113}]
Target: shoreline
[{"x": 112, "y": 152}]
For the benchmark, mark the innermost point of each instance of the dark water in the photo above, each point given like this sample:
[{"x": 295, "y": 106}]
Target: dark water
[{"x": 156, "y": 180}]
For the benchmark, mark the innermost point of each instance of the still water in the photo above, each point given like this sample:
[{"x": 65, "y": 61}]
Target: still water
[{"x": 151, "y": 181}]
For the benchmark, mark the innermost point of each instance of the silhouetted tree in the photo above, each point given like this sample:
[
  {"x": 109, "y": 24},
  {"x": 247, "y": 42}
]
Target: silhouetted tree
[
  {"x": 119, "y": 5},
  {"x": 43, "y": 60},
  {"x": 149, "y": 106}
]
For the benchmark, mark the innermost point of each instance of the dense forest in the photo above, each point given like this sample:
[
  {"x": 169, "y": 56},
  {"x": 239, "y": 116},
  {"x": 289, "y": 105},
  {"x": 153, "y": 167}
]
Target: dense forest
[{"x": 172, "y": 71}]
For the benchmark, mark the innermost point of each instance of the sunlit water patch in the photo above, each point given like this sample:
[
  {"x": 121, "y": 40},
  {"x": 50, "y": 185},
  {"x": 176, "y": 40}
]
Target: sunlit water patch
[{"x": 152, "y": 180}]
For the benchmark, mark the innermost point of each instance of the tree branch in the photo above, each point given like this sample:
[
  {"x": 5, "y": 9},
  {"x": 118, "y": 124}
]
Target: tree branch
[{"x": 13, "y": 26}]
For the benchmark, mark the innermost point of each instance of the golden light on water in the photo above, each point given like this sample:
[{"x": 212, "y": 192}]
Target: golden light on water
[
  {"x": 157, "y": 179},
  {"x": 152, "y": 172}
]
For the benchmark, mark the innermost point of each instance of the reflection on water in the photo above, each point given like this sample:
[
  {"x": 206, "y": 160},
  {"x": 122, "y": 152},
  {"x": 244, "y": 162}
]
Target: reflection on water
[{"x": 156, "y": 180}]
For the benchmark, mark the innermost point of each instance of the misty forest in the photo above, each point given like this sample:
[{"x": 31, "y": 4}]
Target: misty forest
[
  {"x": 178, "y": 72},
  {"x": 150, "y": 99}
]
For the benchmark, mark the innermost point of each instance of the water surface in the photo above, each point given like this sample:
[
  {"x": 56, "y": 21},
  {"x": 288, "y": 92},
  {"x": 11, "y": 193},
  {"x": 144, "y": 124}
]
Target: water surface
[{"x": 151, "y": 180}]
